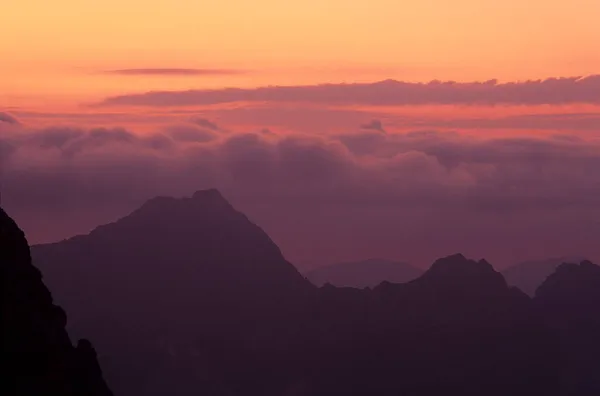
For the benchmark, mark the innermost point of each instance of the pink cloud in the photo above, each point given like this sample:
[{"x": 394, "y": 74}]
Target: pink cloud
[
  {"x": 311, "y": 119},
  {"x": 552, "y": 91}
]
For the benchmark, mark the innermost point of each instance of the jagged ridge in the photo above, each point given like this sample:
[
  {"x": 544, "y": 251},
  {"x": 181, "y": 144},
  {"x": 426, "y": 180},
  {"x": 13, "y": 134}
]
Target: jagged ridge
[
  {"x": 204, "y": 301},
  {"x": 38, "y": 357}
]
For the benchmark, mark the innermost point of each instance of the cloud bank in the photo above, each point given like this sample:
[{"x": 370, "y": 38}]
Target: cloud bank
[
  {"x": 364, "y": 193},
  {"x": 552, "y": 91}
]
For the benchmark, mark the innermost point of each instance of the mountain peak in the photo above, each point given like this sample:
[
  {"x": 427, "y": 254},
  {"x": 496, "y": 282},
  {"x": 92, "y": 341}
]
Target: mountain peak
[
  {"x": 529, "y": 275},
  {"x": 459, "y": 263},
  {"x": 588, "y": 265},
  {"x": 198, "y": 243},
  {"x": 211, "y": 193},
  {"x": 585, "y": 267},
  {"x": 572, "y": 280},
  {"x": 210, "y": 199},
  {"x": 458, "y": 271}
]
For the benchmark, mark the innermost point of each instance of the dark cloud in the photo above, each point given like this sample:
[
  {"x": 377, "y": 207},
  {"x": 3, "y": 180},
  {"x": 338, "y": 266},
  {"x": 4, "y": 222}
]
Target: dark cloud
[
  {"x": 172, "y": 72},
  {"x": 267, "y": 132},
  {"x": 552, "y": 91},
  {"x": 413, "y": 195},
  {"x": 71, "y": 141},
  {"x": 9, "y": 119},
  {"x": 204, "y": 123},
  {"x": 190, "y": 133},
  {"x": 374, "y": 125}
]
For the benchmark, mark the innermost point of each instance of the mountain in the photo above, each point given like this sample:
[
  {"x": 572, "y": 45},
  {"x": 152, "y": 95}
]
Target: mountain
[
  {"x": 149, "y": 286},
  {"x": 360, "y": 274},
  {"x": 37, "y": 356},
  {"x": 529, "y": 275},
  {"x": 187, "y": 296},
  {"x": 569, "y": 300},
  {"x": 458, "y": 329}
]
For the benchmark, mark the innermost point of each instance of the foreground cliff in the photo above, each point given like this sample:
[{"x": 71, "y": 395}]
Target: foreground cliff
[{"x": 37, "y": 355}]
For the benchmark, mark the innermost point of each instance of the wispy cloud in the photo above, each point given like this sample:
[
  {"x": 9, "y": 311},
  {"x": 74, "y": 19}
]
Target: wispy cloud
[
  {"x": 173, "y": 72},
  {"x": 552, "y": 91}
]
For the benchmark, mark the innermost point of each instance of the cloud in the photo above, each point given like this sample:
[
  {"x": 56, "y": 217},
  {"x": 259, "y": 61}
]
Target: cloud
[
  {"x": 319, "y": 119},
  {"x": 190, "y": 133},
  {"x": 589, "y": 122},
  {"x": 552, "y": 91},
  {"x": 411, "y": 195},
  {"x": 72, "y": 141},
  {"x": 267, "y": 132},
  {"x": 374, "y": 125},
  {"x": 204, "y": 123},
  {"x": 9, "y": 119},
  {"x": 172, "y": 72}
]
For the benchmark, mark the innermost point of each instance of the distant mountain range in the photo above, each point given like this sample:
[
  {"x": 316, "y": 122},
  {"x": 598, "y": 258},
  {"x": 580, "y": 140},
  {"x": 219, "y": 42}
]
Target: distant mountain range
[
  {"x": 529, "y": 275},
  {"x": 366, "y": 273},
  {"x": 187, "y": 296}
]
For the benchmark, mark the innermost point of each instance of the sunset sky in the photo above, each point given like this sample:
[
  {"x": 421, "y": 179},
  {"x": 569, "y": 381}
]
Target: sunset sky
[
  {"x": 64, "y": 48},
  {"x": 321, "y": 119}
]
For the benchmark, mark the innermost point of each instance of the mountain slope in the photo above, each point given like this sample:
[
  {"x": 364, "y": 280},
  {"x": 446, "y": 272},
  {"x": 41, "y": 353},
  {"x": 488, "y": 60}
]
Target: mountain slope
[
  {"x": 569, "y": 301},
  {"x": 529, "y": 275},
  {"x": 37, "y": 355},
  {"x": 367, "y": 273},
  {"x": 458, "y": 329},
  {"x": 169, "y": 274}
]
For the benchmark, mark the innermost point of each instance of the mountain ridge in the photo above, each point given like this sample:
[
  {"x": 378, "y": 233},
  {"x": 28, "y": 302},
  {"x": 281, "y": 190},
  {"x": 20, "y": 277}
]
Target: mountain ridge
[
  {"x": 529, "y": 275},
  {"x": 195, "y": 298},
  {"x": 174, "y": 269}
]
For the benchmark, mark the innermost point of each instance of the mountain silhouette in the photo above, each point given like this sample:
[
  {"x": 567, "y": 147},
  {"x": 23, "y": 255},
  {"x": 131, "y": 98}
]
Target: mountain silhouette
[
  {"x": 175, "y": 270},
  {"x": 187, "y": 296},
  {"x": 457, "y": 329},
  {"x": 366, "y": 273},
  {"x": 529, "y": 275},
  {"x": 569, "y": 300},
  {"x": 37, "y": 356}
]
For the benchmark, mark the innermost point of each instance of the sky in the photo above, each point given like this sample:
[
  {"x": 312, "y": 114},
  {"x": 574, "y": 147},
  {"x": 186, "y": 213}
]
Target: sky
[
  {"x": 348, "y": 130},
  {"x": 64, "y": 47}
]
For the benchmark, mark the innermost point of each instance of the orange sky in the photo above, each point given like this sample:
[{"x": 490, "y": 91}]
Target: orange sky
[{"x": 60, "y": 48}]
